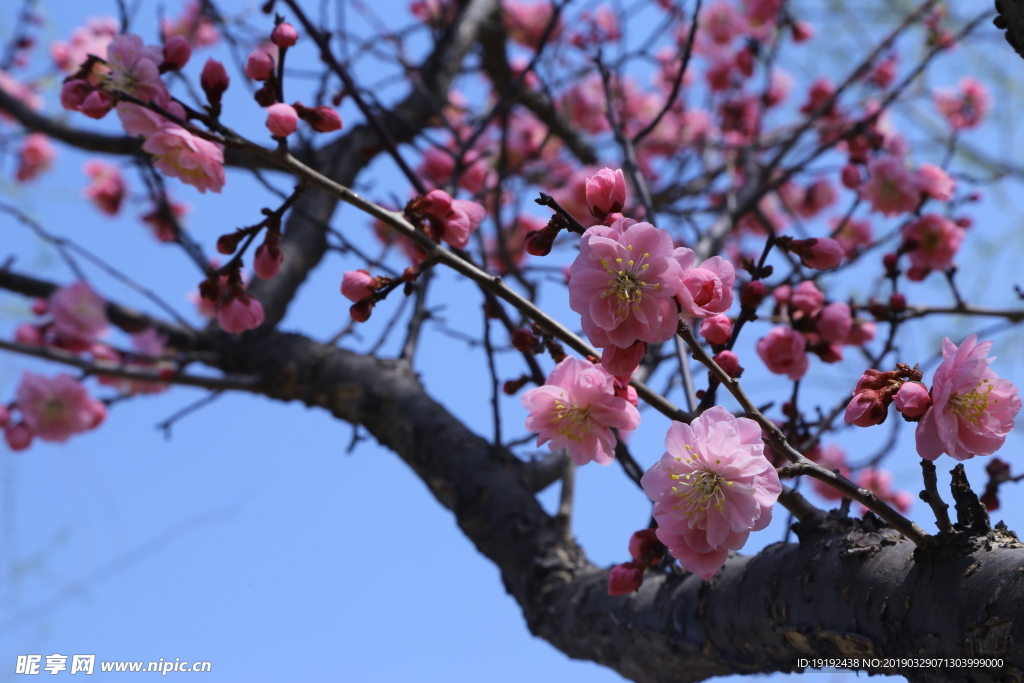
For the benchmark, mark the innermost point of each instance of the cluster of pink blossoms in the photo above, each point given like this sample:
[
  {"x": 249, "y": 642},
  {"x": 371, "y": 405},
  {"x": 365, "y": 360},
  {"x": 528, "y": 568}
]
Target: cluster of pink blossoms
[{"x": 51, "y": 408}]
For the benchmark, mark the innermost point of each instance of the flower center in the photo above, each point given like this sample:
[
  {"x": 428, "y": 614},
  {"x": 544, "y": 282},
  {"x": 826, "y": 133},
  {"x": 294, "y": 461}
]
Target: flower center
[
  {"x": 626, "y": 281},
  {"x": 573, "y": 422},
  {"x": 971, "y": 407},
  {"x": 697, "y": 491}
]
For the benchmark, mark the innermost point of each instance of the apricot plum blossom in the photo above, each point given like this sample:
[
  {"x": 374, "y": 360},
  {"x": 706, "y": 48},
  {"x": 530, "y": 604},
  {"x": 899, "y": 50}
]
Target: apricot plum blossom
[
  {"x": 106, "y": 188},
  {"x": 891, "y": 188},
  {"x": 576, "y": 409},
  {"x": 193, "y": 160},
  {"x": 711, "y": 488},
  {"x": 966, "y": 107},
  {"x": 972, "y": 409},
  {"x": 935, "y": 240},
  {"x": 58, "y": 407},
  {"x": 706, "y": 289},
  {"x": 623, "y": 282}
]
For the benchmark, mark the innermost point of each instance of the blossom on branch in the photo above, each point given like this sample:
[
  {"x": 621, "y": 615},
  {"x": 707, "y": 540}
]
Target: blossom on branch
[{"x": 55, "y": 408}]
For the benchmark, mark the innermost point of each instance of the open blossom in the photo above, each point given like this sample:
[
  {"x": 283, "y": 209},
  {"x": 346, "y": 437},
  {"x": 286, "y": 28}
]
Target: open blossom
[
  {"x": 937, "y": 240},
  {"x": 106, "y": 188},
  {"x": 711, "y": 488},
  {"x": 457, "y": 218},
  {"x": 966, "y": 108},
  {"x": 135, "y": 68},
  {"x": 79, "y": 314},
  {"x": 606, "y": 192},
  {"x": 91, "y": 39},
  {"x": 722, "y": 22},
  {"x": 193, "y": 160},
  {"x": 784, "y": 351},
  {"x": 855, "y": 233},
  {"x": 54, "y": 408},
  {"x": 622, "y": 284},
  {"x": 35, "y": 156},
  {"x": 576, "y": 409},
  {"x": 972, "y": 408},
  {"x": 935, "y": 182},
  {"x": 526, "y": 21},
  {"x": 706, "y": 289},
  {"x": 891, "y": 188}
]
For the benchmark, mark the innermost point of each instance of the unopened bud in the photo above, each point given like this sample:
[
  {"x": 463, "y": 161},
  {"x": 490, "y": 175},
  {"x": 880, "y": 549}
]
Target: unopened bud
[
  {"x": 625, "y": 578},
  {"x": 361, "y": 310},
  {"x": 227, "y": 243},
  {"x": 523, "y": 340},
  {"x": 753, "y": 294}
]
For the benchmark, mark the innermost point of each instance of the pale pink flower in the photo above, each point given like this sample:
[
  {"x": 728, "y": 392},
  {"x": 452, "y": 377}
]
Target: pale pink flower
[
  {"x": 35, "y": 156},
  {"x": 935, "y": 182},
  {"x": 282, "y": 119},
  {"x": 784, "y": 351},
  {"x": 576, "y": 409},
  {"x": 193, "y": 160},
  {"x": 964, "y": 108},
  {"x": 106, "y": 188},
  {"x": 913, "y": 399},
  {"x": 972, "y": 408},
  {"x": 717, "y": 329},
  {"x": 54, "y": 408},
  {"x": 91, "y": 39},
  {"x": 854, "y": 234},
  {"x": 880, "y": 481},
  {"x": 79, "y": 314},
  {"x": 606, "y": 192},
  {"x": 711, "y": 488},
  {"x": 193, "y": 25},
  {"x": 457, "y": 218},
  {"x": 937, "y": 240},
  {"x": 238, "y": 312},
  {"x": 135, "y": 68},
  {"x": 706, "y": 289},
  {"x": 623, "y": 281},
  {"x": 891, "y": 187},
  {"x": 138, "y": 120},
  {"x": 807, "y": 298},
  {"x": 356, "y": 285},
  {"x": 832, "y": 458},
  {"x": 835, "y": 322}
]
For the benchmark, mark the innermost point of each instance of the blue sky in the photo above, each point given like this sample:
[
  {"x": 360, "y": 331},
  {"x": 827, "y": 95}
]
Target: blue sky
[{"x": 253, "y": 538}]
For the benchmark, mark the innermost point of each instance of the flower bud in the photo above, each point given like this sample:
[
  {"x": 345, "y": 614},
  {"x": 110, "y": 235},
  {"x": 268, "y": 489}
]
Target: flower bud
[
  {"x": 897, "y": 302},
  {"x": 357, "y": 285},
  {"x": 28, "y": 334},
  {"x": 97, "y": 104},
  {"x": 717, "y": 329},
  {"x": 867, "y": 409},
  {"x": 40, "y": 307},
  {"x": 259, "y": 66},
  {"x": 820, "y": 253},
  {"x": 913, "y": 399},
  {"x": 268, "y": 260},
  {"x": 729, "y": 362},
  {"x": 284, "y": 35},
  {"x": 282, "y": 120},
  {"x": 523, "y": 340},
  {"x": 227, "y": 243},
  {"x": 322, "y": 119},
  {"x": 177, "y": 52},
  {"x": 214, "y": 80},
  {"x": 850, "y": 176},
  {"x": 625, "y": 578},
  {"x": 5, "y": 416},
  {"x": 18, "y": 437},
  {"x": 361, "y": 310},
  {"x": 539, "y": 242},
  {"x": 606, "y": 192},
  {"x": 645, "y": 546},
  {"x": 510, "y": 387},
  {"x": 753, "y": 294}
]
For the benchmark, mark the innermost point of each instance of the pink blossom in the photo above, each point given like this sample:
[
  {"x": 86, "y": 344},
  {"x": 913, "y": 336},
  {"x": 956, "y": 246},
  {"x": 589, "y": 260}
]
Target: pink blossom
[
  {"x": 964, "y": 108},
  {"x": 284, "y": 35},
  {"x": 322, "y": 119},
  {"x": 106, "y": 188},
  {"x": 722, "y": 23},
  {"x": 784, "y": 351},
  {"x": 259, "y": 66},
  {"x": 820, "y": 253},
  {"x": 526, "y": 21},
  {"x": 820, "y": 92},
  {"x": 880, "y": 481},
  {"x": 54, "y": 408},
  {"x": 711, "y": 488},
  {"x": 807, "y": 298},
  {"x": 861, "y": 333},
  {"x": 28, "y": 334},
  {"x": 35, "y": 156},
  {"x": 850, "y": 176},
  {"x": 457, "y": 218},
  {"x": 18, "y": 436},
  {"x": 935, "y": 182},
  {"x": 717, "y": 329},
  {"x": 622, "y": 284},
  {"x": 135, "y": 68},
  {"x": 91, "y": 39},
  {"x": 884, "y": 72},
  {"x": 802, "y": 31},
  {"x": 194, "y": 25},
  {"x": 193, "y": 160},
  {"x": 913, "y": 399},
  {"x": 576, "y": 409},
  {"x": 835, "y": 322},
  {"x": 436, "y": 166},
  {"x": 177, "y": 52},
  {"x": 937, "y": 240},
  {"x": 891, "y": 188},
  {"x": 854, "y": 234},
  {"x": 282, "y": 120},
  {"x": 268, "y": 260},
  {"x": 623, "y": 362},
  {"x": 780, "y": 84},
  {"x": 79, "y": 314},
  {"x": 729, "y": 362},
  {"x": 214, "y": 81},
  {"x": 584, "y": 104},
  {"x": 606, "y": 192},
  {"x": 820, "y": 195},
  {"x": 5, "y": 416},
  {"x": 832, "y": 458},
  {"x": 972, "y": 408},
  {"x": 98, "y": 104},
  {"x": 706, "y": 289},
  {"x": 238, "y": 312},
  {"x": 356, "y": 285}
]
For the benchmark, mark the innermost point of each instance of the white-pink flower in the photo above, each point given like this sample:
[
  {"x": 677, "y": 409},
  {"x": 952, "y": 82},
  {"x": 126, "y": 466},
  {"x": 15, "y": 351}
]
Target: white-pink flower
[
  {"x": 711, "y": 488},
  {"x": 972, "y": 408},
  {"x": 706, "y": 289},
  {"x": 193, "y": 160},
  {"x": 623, "y": 282},
  {"x": 57, "y": 407},
  {"x": 577, "y": 409}
]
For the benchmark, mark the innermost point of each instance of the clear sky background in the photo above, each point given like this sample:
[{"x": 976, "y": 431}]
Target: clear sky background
[{"x": 255, "y": 537}]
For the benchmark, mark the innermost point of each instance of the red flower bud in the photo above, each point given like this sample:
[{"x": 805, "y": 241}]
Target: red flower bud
[
  {"x": 361, "y": 310},
  {"x": 227, "y": 243},
  {"x": 523, "y": 340},
  {"x": 284, "y": 35},
  {"x": 897, "y": 302},
  {"x": 214, "y": 80},
  {"x": 645, "y": 546},
  {"x": 625, "y": 578},
  {"x": 753, "y": 294}
]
